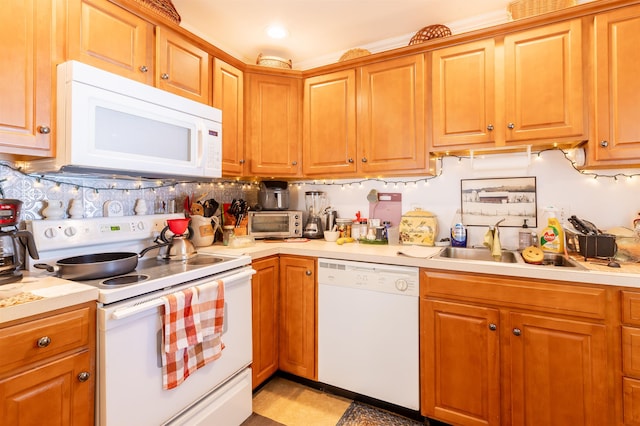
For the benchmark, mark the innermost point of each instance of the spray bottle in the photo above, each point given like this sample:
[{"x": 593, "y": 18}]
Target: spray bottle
[{"x": 552, "y": 236}]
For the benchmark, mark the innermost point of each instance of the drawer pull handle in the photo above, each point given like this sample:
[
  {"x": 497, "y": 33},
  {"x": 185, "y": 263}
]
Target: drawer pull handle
[
  {"x": 511, "y": 126},
  {"x": 493, "y": 327},
  {"x": 84, "y": 376},
  {"x": 164, "y": 76},
  {"x": 517, "y": 331},
  {"x": 44, "y": 130},
  {"x": 308, "y": 273},
  {"x": 604, "y": 144},
  {"x": 43, "y": 342},
  {"x": 490, "y": 127},
  {"x": 144, "y": 68}
]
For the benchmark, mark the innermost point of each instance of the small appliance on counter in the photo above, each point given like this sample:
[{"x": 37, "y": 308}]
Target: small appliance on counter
[
  {"x": 10, "y": 239},
  {"x": 316, "y": 203},
  {"x": 273, "y": 195},
  {"x": 275, "y": 224}
]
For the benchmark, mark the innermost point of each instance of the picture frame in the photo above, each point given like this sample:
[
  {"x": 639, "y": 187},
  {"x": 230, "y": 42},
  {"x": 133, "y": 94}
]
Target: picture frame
[{"x": 484, "y": 202}]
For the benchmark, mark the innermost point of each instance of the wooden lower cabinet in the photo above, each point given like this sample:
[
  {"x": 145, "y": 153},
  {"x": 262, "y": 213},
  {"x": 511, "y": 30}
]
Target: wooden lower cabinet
[
  {"x": 265, "y": 304},
  {"x": 510, "y": 351},
  {"x": 47, "y": 368},
  {"x": 298, "y": 316}
]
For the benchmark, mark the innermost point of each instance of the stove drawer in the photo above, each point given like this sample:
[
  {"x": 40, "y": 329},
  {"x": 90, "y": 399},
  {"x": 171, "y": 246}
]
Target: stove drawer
[{"x": 40, "y": 339}]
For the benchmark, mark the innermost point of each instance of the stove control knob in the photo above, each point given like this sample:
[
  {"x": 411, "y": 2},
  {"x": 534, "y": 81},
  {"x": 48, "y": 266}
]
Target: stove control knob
[
  {"x": 50, "y": 233},
  {"x": 402, "y": 285},
  {"x": 140, "y": 225},
  {"x": 70, "y": 231}
]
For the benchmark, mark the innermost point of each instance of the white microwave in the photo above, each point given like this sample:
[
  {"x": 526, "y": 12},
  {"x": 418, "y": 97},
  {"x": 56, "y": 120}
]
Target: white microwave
[{"x": 110, "y": 124}]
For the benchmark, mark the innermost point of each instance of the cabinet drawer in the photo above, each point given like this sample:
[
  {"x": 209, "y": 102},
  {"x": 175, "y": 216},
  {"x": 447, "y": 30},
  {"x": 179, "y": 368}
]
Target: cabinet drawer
[
  {"x": 630, "y": 307},
  {"x": 65, "y": 332},
  {"x": 551, "y": 296}
]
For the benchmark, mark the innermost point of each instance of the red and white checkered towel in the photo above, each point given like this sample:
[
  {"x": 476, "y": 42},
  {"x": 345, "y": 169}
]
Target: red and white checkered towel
[{"x": 193, "y": 324}]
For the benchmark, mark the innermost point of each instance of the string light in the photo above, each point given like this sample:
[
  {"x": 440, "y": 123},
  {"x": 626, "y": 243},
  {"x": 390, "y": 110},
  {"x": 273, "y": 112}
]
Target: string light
[{"x": 154, "y": 186}]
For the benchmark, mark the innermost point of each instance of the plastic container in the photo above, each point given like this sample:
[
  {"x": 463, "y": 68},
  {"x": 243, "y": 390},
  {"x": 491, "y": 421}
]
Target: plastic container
[
  {"x": 458, "y": 235},
  {"x": 552, "y": 236},
  {"x": 524, "y": 236}
]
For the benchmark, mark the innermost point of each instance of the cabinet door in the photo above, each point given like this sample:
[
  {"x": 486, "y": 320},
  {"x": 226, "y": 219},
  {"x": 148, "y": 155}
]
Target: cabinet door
[
  {"x": 28, "y": 34},
  {"x": 273, "y": 131},
  {"x": 228, "y": 94},
  {"x": 182, "y": 67},
  {"x": 329, "y": 124},
  {"x": 108, "y": 37},
  {"x": 543, "y": 83},
  {"x": 617, "y": 88},
  {"x": 52, "y": 394},
  {"x": 463, "y": 95},
  {"x": 460, "y": 363},
  {"x": 391, "y": 120},
  {"x": 298, "y": 294},
  {"x": 558, "y": 371},
  {"x": 264, "y": 297}
]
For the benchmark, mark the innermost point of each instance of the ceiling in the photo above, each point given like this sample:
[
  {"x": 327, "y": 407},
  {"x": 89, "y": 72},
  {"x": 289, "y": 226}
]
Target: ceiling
[{"x": 320, "y": 31}]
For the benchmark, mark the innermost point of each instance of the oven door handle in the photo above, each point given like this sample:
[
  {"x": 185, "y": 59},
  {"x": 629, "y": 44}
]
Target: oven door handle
[
  {"x": 154, "y": 303},
  {"x": 132, "y": 310}
]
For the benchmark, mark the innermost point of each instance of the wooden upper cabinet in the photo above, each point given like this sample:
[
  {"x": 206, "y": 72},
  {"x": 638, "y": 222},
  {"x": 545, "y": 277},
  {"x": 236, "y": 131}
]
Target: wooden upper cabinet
[
  {"x": 30, "y": 31},
  {"x": 329, "y": 124},
  {"x": 525, "y": 88},
  {"x": 108, "y": 37},
  {"x": 544, "y": 84},
  {"x": 228, "y": 96},
  {"x": 391, "y": 116},
  {"x": 181, "y": 66},
  {"x": 273, "y": 130},
  {"x": 463, "y": 95},
  {"x": 617, "y": 135}
]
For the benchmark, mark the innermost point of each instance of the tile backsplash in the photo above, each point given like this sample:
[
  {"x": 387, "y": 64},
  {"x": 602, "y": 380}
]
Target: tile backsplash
[{"x": 92, "y": 193}]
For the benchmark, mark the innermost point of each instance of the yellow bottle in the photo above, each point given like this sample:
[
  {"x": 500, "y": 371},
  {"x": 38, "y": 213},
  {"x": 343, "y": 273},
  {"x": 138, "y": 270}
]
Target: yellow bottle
[{"x": 552, "y": 237}]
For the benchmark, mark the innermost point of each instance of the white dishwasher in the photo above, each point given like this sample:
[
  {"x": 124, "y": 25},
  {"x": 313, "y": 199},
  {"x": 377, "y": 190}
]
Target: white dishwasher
[{"x": 368, "y": 329}]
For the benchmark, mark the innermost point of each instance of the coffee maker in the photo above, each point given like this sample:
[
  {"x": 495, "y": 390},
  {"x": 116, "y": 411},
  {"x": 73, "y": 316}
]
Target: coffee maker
[
  {"x": 316, "y": 202},
  {"x": 11, "y": 242}
]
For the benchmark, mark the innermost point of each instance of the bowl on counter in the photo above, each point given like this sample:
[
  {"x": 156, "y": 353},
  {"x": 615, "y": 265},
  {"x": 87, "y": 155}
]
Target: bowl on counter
[{"x": 331, "y": 236}]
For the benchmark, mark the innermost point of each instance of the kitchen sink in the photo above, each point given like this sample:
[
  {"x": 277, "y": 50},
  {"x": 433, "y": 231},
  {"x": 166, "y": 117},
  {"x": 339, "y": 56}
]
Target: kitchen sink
[
  {"x": 508, "y": 256},
  {"x": 482, "y": 254}
]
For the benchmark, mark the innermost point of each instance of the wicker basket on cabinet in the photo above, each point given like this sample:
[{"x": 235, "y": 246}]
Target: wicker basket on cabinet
[
  {"x": 162, "y": 7},
  {"x": 353, "y": 53},
  {"x": 525, "y": 8},
  {"x": 274, "y": 62},
  {"x": 427, "y": 33}
]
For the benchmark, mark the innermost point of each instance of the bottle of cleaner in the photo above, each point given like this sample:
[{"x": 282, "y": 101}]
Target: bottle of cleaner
[{"x": 552, "y": 237}]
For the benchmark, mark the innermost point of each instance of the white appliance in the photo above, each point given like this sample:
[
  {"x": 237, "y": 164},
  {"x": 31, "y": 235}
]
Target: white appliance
[
  {"x": 368, "y": 330},
  {"x": 129, "y": 326},
  {"x": 110, "y": 124}
]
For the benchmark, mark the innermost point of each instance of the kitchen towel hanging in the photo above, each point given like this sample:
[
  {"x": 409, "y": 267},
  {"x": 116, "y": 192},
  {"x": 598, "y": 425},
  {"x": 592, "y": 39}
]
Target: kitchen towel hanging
[{"x": 193, "y": 322}]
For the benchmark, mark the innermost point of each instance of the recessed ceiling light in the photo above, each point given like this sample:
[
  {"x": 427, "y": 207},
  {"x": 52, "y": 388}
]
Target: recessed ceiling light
[{"x": 277, "y": 31}]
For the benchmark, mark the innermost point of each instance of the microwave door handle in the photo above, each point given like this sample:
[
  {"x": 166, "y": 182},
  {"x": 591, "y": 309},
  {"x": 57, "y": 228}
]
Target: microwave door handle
[{"x": 200, "y": 148}]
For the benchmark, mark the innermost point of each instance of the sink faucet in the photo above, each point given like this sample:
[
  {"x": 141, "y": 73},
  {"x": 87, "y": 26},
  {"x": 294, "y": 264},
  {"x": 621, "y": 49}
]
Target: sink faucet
[
  {"x": 492, "y": 239},
  {"x": 499, "y": 222}
]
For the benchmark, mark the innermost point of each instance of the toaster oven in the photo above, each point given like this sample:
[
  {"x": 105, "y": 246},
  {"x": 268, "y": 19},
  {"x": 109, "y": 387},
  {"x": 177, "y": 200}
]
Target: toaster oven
[{"x": 275, "y": 224}]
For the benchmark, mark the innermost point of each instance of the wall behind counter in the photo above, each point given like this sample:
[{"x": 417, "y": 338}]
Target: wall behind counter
[{"x": 604, "y": 201}]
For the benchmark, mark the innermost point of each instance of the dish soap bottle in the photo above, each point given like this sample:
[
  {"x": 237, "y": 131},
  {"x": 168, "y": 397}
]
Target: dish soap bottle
[
  {"x": 552, "y": 237},
  {"x": 524, "y": 236}
]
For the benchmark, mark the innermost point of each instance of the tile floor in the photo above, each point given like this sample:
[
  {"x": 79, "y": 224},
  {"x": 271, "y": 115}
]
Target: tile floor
[{"x": 293, "y": 404}]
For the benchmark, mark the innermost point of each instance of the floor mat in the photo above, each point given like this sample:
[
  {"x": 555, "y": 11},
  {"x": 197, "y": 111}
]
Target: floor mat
[{"x": 359, "y": 414}]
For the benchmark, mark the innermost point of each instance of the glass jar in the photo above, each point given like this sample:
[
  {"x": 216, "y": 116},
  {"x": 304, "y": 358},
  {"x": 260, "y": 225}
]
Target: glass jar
[
  {"x": 227, "y": 233},
  {"x": 359, "y": 229},
  {"x": 344, "y": 227}
]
